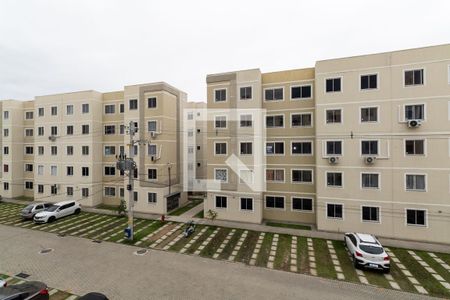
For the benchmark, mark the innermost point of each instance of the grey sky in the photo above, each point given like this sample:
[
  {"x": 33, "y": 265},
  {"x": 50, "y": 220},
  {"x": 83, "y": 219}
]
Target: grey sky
[{"x": 49, "y": 47}]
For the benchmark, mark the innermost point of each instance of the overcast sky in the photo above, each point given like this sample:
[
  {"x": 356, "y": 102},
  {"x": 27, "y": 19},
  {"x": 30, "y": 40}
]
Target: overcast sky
[{"x": 49, "y": 47}]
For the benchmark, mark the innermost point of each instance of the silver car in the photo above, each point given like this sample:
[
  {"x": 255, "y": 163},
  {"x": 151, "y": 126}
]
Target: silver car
[{"x": 32, "y": 209}]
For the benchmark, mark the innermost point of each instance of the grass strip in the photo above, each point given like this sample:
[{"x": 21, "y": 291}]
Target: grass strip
[
  {"x": 233, "y": 241},
  {"x": 325, "y": 267},
  {"x": 245, "y": 253},
  {"x": 283, "y": 254},
  {"x": 346, "y": 264},
  {"x": 263, "y": 256},
  {"x": 288, "y": 225},
  {"x": 183, "y": 209},
  {"x": 215, "y": 243}
]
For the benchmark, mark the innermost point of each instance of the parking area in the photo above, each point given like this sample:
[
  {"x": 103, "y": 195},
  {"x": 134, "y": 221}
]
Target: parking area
[{"x": 411, "y": 271}]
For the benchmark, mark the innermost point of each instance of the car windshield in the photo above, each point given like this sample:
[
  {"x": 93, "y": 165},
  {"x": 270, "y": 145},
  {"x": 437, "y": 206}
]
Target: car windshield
[
  {"x": 52, "y": 208},
  {"x": 371, "y": 249},
  {"x": 28, "y": 208}
]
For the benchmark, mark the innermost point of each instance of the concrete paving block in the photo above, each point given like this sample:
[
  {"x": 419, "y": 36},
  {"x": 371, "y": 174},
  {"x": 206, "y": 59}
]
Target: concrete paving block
[
  {"x": 293, "y": 262},
  {"x": 432, "y": 254},
  {"x": 312, "y": 265},
  {"x": 340, "y": 276},
  {"x": 446, "y": 285},
  {"x": 313, "y": 272},
  {"x": 312, "y": 258},
  {"x": 363, "y": 279},
  {"x": 389, "y": 277},
  {"x": 421, "y": 289},
  {"x": 394, "y": 285},
  {"x": 338, "y": 269},
  {"x": 293, "y": 268},
  {"x": 401, "y": 266},
  {"x": 438, "y": 277},
  {"x": 423, "y": 263},
  {"x": 430, "y": 270},
  {"x": 333, "y": 256},
  {"x": 395, "y": 259},
  {"x": 335, "y": 262},
  {"x": 293, "y": 256},
  {"x": 407, "y": 273},
  {"x": 439, "y": 261},
  {"x": 270, "y": 265},
  {"x": 413, "y": 281}
]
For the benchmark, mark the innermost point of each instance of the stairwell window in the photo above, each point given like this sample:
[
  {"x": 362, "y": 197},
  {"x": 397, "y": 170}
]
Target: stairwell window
[
  {"x": 274, "y": 94},
  {"x": 6, "y": 115},
  {"x": 333, "y": 85},
  {"x": 6, "y": 186},
  {"x": 246, "y": 148},
  {"x": 6, "y": 150},
  {"x": 220, "y": 122},
  {"x": 414, "y": 77},
  {"x": 220, "y": 95},
  {"x": 6, "y": 132},
  {"x": 246, "y": 120},
  {"x": 415, "y": 182},
  {"x": 133, "y": 104},
  {"x": 40, "y": 111},
  {"x": 54, "y": 110},
  {"x": 221, "y": 175}
]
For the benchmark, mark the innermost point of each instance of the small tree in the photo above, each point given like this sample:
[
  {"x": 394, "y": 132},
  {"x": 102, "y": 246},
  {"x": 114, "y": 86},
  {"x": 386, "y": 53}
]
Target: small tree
[
  {"x": 122, "y": 208},
  {"x": 211, "y": 214}
]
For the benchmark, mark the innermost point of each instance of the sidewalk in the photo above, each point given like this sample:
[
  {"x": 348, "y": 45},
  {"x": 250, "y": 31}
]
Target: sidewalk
[
  {"x": 389, "y": 242},
  {"x": 193, "y": 211}
]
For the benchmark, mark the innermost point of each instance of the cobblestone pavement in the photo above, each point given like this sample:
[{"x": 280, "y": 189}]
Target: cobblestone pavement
[{"x": 78, "y": 265}]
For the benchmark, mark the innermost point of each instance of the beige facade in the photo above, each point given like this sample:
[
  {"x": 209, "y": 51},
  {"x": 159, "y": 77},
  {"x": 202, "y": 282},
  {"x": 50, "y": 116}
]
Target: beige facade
[{"x": 64, "y": 146}]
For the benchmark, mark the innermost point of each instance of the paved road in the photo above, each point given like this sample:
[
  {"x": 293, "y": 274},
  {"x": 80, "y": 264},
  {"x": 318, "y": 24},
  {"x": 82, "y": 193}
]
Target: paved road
[{"x": 79, "y": 265}]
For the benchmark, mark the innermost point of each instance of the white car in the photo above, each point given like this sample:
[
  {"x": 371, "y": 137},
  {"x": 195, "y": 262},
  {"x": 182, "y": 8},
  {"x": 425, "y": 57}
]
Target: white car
[
  {"x": 367, "y": 252},
  {"x": 58, "y": 210},
  {"x": 3, "y": 283}
]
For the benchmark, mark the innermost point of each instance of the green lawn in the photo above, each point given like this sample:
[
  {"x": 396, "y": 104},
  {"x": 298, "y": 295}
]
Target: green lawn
[
  {"x": 181, "y": 210},
  {"x": 200, "y": 214},
  {"x": 283, "y": 255},
  {"x": 245, "y": 253},
  {"x": 302, "y": 255},
  {"x": 288, "y": 225},
  {"x": 107, "y": 206},
  {"x": 346, "y": 264},
  {"x": 230, "y": 246},
  {"x": 24, "y": 198},
  {"x": 263, "y": 256},
  {"x": 325, "y": 267}
]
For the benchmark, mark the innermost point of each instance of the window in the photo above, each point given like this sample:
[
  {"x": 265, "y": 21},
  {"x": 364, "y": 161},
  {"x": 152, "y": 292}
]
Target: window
[
  {"x": 151, "y": 198},
  {"x": 220, "y": 95},
  {"x": 221, "y": 148},
  {"x": 6, "y": 186},
  {"x": 221, "y": 202},
  {"x": 152, "y": 151},
  {"x": 275, "y": 175},
  {"x": 122, "y": 129},
  {"x": 28, "y": 167},
  {"x": 333, "y": 85},
  {"x": 334, "y": 147},
  {"x": 334, "y": 211},
  {"x": 5, "y": 132},
  {"x": 221, "y": 175},
  {"x": 245, "y": 93},
  {"x": 333, "y": 116},
  {"x": 29, "y": 115},
  {"x": 28, "y": 132},
  {"x": 416, "y": 217},
  {"x": 40, "y": 111},
  {"x": 302, "y": 204},
  {"x": 246, "y": 121},
  {"x": 40, "y": 188},
  {"x": 301, "y": 92},
  {"x": 369, "y": 82},
  {"x": 370, "y": 214},
  {"x": 40, "y": 170},
  {"x": 369, "y": 147},
  {"x": 370, "y": 180},
  {"x": 190, "y": 116},
  {"x": 85, "y": 108},
  {"x": 5, "y": 168},
  {"x": 246, "y": 176},
  {"x": 190, "y": 133},
  {"x": 135, "y": 150},
  {"x": 54, "y": 130},
  {"x": 151, "y": 102},
  {"x": 369, "y": 114},
  {"x": 109, "y": 171},
  {"x": 110, "y": 191},
  {"x": 40, "y": 131},
  {"x": 53, "y": 189},
  {"x": 40, "y": 150},
  {"x": 121, "y": 192},
  {"x": 273, "y": 148},
  {"x": 133, "y": 104},
  {"x": 275, "y": 121},
  {"x": 415, "y": 182},
  {"x": 54, "y": 170},
  {"x": 152, "y": 125},
  {"x": 415, "y": 112},
  {"x": 334, "y": 179},
  {"x": 69, "y": 171},
  {"x": 246, "y": 203},
  {"x": 220, "y": 122},
  {"x": 6, "y": 150},
  {"x": 414, "y": 77},
  {"x": 110, "y": 129},
  {"x": 85, "y": 129},
  {"x": 274, "y": 94},
  {"x": 198, "y": 147},
  {"x": 69, "y": 110},
  {"x": 110, "y": 150},
  {"x": 414, "y": 147},
  {"x": 29, "y": 150},
  {"x": 275, "y": 202},
  {"x": 110, "y": 109},
  {"x": 85, "y": 150},
  {"x": 6, "y": 115},
  {"x": 85, "y": 192},
  {"x": 301, "y": 148},
  {"x": 54, "y": 150},
  {"x": 302, "y": 176},
  {"x": 54, "y": 110},
  {"x": 135, "y": 173},
  {"x": 84, "y": 171},
  {"x": 152, "y": 174},
  {"x": 69, "y": 130},
  {"x": 28, "y": 185},
  {"x": 69, "y": 191},
  {"x": 246, "y": 148}
]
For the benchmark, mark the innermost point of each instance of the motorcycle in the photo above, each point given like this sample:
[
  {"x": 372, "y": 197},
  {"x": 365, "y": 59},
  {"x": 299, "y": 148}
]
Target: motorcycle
[{"x": 189, "y": 229}]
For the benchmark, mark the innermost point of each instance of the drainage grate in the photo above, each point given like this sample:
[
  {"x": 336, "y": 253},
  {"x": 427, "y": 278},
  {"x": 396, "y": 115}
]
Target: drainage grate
[
  {"x": 45, "y": 251},
  {"x": 141, "y": 252},
  {"x": 23, "y": 275},
  {"x": 96, "y": 241}
]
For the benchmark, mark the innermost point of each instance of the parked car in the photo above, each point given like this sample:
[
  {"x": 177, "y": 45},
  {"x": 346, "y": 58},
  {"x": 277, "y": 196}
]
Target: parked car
[
  {"x": 366, "y": 251},
  {"x": 32, "y": 209},
  {"x": 31, "y": 290},
  {"x": 58, "y": 210},
  {"x": 93, "y": 296},
  {"x": 3, "y": 283}
]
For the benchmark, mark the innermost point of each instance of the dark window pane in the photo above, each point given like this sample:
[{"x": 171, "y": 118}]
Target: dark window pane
[
  {"x": 269, "y": 94},
  {"x": 329, "y": 85},
  {"x": 295, "y": 92},
  {"x": 364, "y": 82},
  {"x": 373, "y": 81},
  {"x": 306, "y": 91},
  {"x": 337, "y": 84}
]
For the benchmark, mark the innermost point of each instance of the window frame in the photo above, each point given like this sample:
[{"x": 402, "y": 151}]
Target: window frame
[
  {"x": 368, "y": 107},
  {"x": 334, "y": 186},
  {"x": 109, "y": 105},
  {"x": 378, "y": 214},
  {"x": 325, "y": 148},
  {"x": 334, "y": 77},
  {"x": 275, "y": 169},
  {"x": 275, "y": 208},
  {"x": 414, "y": 139},
  {"x": 415, "y": 189},
  {"x": 240, "y": 120},
  {"x": 247, "y": 210},
  {"x": 221, "y": 207},
  {"x": 251, "y": 92},
  {"x": 215, "y": 121},
  {"x": 302, "y": 141},
  {"x": 377, "y": 74},
  {"x": 148, "y": 102},
  {"x": 226, "y": 173},
  {"x": 273, "y": 116},
  {"x": 302, "y": 210},
  {"x": 302, "y": 113},
  {"x": 370, "y": 154},
  {"x": 334, "y": 108},
  {"x": 424, "y": 119},
  {"x": 226, "y": 95},
  {"x": 274, "y": 148},
  {"x": 335, "y": 218},
  {"x": 416, "y": 209},
  {"x": 273, "y": 88},
  {"x": 370, "y": 188},
  {"x": 155, "y": 200},
  {"x": 301, "y": 170},
  {"x": 414, "y": 84},
  {"x": 240, "y": 148},
  {"x": 215, "y": 148},
  {"x": 301, "y": 86}
]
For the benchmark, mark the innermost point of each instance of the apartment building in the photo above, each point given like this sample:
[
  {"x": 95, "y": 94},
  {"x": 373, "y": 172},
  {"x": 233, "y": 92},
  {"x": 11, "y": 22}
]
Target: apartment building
[
  {"x": 355, "y": 144},
  {"x": 64, "y": 146}
]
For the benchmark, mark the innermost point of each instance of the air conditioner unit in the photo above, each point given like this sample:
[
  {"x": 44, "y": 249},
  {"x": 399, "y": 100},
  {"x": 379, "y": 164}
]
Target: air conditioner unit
[
  {"x": 369, "y": 160},
  {"x": 333, "y": 160},
  {"x": 414, "y": 123},
  {"x": 152, "y": 134},
  {"x": 52, "y": 138}
]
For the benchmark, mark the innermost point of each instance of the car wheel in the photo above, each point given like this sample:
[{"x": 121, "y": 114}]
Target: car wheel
[
  {"x": 387, "y": 271},
  {"x": 355, "y": 263},
  {"x": 77, "y": 211},
  {"x": 51, "y": 219}
]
